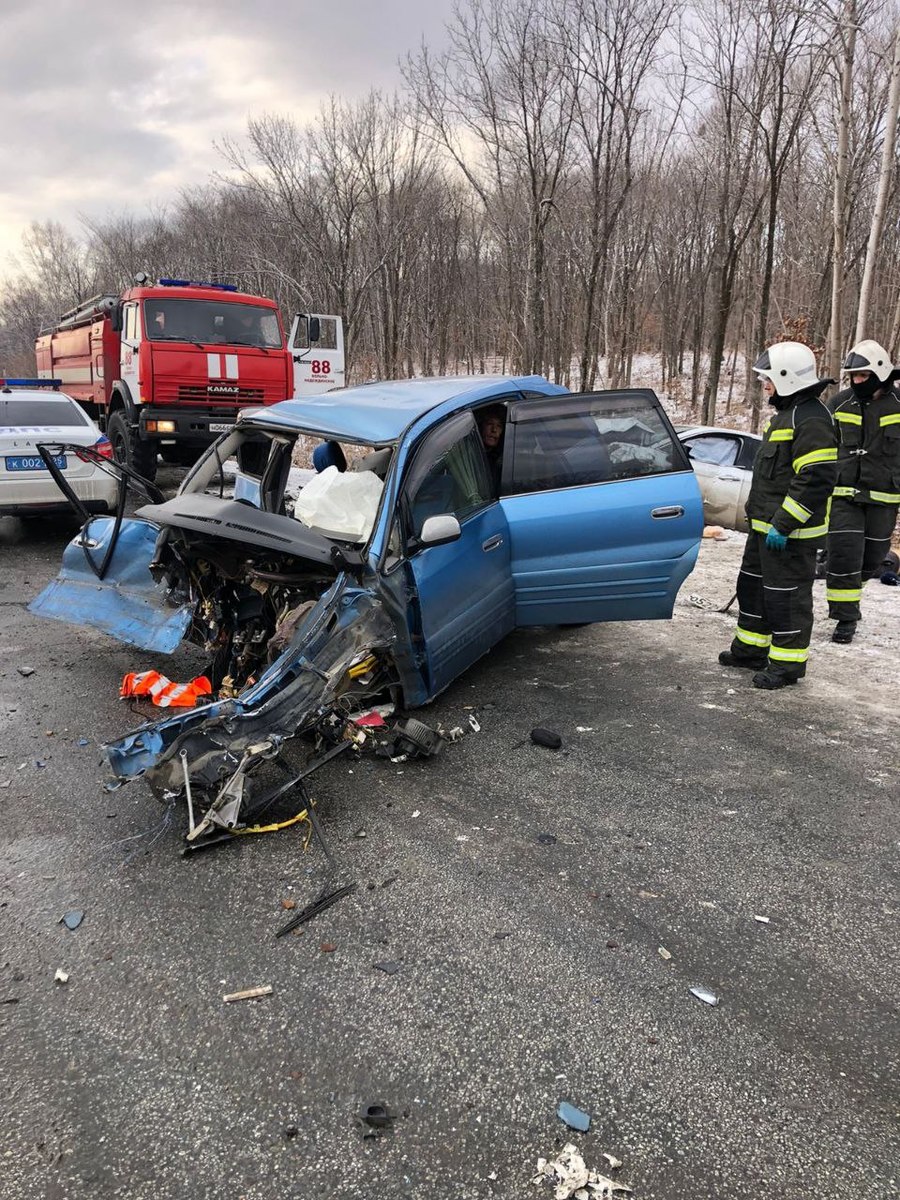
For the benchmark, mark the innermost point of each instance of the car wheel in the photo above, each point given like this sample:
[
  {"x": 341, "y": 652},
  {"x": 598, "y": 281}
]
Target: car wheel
[{"x": 129, "y": 449}]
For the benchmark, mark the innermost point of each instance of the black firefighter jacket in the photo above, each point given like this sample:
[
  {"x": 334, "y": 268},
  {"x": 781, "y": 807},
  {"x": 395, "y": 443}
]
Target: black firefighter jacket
[
  {"x": 869, "y": 447},
  {"x": 795, "y": 469}
]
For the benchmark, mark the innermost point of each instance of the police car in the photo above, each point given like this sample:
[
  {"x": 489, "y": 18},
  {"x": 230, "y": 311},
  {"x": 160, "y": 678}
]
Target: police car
[{"x": 34, "y": 412}]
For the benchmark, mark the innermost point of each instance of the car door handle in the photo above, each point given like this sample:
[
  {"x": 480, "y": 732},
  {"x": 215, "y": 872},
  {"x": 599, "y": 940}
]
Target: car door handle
[
  {"x": 493, "y": 542},
  {"x": 731, "y": 478},
  {"x": 672, "y": 510}
]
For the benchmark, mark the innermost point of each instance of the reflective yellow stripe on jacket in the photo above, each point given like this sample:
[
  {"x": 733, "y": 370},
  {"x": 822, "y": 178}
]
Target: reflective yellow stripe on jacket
[
  {"x": 790, "y": 505},
  {"x": 890, "y": 419},
  {"x": 815, "y": 456},
  {"x": 850, "y": 418},
  {"x": 813, "y": 532},
  {"x": 781, "y": 435}
]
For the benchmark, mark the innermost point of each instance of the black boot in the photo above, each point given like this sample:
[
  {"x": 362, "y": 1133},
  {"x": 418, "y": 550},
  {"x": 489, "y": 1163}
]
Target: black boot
[
  {"x": 843, "y": 632},
  {"x": 771, "y": 680},
  {"x": 728, "y": 659}
]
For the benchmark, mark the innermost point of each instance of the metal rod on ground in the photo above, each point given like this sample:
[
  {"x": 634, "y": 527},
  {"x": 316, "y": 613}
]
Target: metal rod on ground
[{"x": 187, "y": 790}]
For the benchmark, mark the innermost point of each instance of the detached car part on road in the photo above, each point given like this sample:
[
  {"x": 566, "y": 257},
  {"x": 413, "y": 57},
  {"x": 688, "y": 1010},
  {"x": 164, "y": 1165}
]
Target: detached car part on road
[{"x": 391, "y": 576}]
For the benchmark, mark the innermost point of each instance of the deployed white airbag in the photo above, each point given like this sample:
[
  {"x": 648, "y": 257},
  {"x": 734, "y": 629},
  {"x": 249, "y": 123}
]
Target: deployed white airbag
[{"x": 341, "y": 504}]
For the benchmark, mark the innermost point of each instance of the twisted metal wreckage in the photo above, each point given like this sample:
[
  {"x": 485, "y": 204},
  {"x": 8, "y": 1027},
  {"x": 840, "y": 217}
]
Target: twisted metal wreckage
[
  {"x": 302, "y": 635},
  {"x": 383, "y": 577}
]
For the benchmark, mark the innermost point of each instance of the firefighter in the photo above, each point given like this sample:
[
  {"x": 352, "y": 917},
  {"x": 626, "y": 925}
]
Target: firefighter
[
  {"x": 787, "y": 510},
  {"x": 864, "y": 507}
]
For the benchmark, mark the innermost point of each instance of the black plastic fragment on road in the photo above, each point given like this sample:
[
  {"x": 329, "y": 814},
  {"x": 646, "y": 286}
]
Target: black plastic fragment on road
[
  {"x": 389, "y": 968},
  {"x": 546, "y": 737},
  {"x": 547, "y": 839}
]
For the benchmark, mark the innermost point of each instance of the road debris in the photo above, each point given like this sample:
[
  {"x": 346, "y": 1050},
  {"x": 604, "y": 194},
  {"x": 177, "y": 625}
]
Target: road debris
[
  {"x": 584, "y": 729},
  {"x": 664, "y": 954},
  {"x": 162, "y": 691},
  {"x": 25, "y": 671},
  {"x": 313, "y": 910},
  {"x": 703, "y": 994},
  {"x": 614, "y": 1163},
  {"x": 328, "y": 947},
  {"x": 570, "y": 1177},
  {"x": 762, "y": 920},
  {"x": 474, "y": 723},
  {"x": 377, "y": 1118},
  {"x": 389, "y": 968},
  {"x": 644, "y": 895},
  {"x": 288, "y": 904},
  {"x": 547, "y": 839},
  {"x": 253, "y": 993},
  {"x": 546, "y": 737},
  {"x": 574, "y": 1117},
  {"x": 456, "y": 734},
  {"x": 61, "y": 976},
  {"x": 716, "y": 532},
  {"x": 72, "y": 919}
]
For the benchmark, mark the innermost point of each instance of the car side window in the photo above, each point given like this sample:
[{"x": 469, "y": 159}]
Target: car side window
[
  {"x": 749, "y": 451},
  {"x": 714, "y": 448},
  {"x": 449, "y": 474},
  {"x": 571, "y": 441}
]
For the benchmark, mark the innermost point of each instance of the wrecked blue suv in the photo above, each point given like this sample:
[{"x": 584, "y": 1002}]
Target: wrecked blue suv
[{"x": 415, "y": 549}]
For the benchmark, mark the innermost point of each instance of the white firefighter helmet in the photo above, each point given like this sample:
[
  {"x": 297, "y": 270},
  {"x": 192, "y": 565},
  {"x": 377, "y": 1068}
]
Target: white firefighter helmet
[
  {"x": 869, "y": 356},
  {"x": 789, "y": 366}
]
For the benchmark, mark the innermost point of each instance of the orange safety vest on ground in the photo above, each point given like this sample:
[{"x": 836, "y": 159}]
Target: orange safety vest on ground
[{"x": 163, "y": 692}]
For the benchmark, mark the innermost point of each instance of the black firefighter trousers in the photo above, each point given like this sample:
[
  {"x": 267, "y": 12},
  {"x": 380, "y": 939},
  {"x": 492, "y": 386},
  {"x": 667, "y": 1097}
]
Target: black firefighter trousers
[
  {"x": 859, "y": 537},
  {"x": 774, "y": 590}
]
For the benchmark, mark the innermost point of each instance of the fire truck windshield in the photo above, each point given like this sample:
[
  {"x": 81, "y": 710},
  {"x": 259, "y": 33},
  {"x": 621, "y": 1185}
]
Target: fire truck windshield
[{"x": 212, "y": 322}]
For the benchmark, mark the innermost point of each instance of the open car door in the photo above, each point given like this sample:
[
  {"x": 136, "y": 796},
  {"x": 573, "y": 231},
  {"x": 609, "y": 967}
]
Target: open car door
[{"x": 604, "y": 512}]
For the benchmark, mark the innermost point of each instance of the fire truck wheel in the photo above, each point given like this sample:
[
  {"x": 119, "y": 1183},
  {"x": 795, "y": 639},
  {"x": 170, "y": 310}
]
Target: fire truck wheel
[{"x": 128, "y": 447}]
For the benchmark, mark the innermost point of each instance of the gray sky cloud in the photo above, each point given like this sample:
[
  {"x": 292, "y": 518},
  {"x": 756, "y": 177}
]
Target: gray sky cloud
[{"x": 115, "y": 108}]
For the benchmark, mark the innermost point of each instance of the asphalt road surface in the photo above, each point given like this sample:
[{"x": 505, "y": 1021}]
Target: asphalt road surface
[{"x": 682, "y": 805}]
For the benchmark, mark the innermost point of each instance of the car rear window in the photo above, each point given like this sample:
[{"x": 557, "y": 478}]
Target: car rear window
[{"x": 16, "y": 411}]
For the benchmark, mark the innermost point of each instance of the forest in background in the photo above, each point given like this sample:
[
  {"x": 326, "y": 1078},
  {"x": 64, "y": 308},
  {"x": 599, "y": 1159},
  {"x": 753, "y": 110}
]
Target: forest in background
[{"x": 566, "y": 186}]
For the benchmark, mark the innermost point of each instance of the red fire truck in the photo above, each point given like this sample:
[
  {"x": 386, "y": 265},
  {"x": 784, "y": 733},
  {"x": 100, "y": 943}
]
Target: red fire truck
[{"x": 165, "y": 368}]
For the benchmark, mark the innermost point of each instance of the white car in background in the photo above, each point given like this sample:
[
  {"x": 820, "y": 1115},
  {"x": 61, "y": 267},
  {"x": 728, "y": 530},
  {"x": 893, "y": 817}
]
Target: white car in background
[
  {"x": 30, "y": 415},
  {"x": 723, "y": 463}
]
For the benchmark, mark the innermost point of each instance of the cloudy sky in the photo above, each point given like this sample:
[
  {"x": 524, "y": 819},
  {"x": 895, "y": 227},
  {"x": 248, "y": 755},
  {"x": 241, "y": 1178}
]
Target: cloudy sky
[{"x": 114, "y": 106}]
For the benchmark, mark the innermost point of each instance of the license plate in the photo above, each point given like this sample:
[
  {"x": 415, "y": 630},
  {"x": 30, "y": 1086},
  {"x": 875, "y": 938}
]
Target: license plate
[
  {"x": 219, "y": 427},
  {"x": 33, "y": 462}
]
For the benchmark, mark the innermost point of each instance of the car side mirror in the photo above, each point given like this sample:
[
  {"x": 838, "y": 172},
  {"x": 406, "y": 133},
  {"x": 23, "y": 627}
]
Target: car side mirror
[
  {"x": 115, "y": 318},
  {"x": 440, "y": 530},
  {"x": 314, "y": 330}
]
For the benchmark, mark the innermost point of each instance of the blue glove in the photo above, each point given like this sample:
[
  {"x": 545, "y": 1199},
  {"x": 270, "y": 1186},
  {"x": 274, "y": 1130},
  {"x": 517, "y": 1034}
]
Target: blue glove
[{"x": 776, "y": 540}]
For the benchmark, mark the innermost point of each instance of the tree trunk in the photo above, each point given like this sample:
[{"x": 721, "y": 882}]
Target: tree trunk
[
  {"x": 842, "y": 165},
  {"x": 884, "y": 189}
]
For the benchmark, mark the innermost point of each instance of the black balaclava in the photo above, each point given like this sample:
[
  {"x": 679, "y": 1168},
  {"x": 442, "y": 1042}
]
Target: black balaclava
[
  {"x": 782, "y": 402},
  {"x": 867, "y": 389}
]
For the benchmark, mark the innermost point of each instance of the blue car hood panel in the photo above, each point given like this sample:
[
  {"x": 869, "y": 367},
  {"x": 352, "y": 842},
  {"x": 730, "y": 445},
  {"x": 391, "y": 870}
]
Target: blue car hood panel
[{"x": 128, "y": 605}]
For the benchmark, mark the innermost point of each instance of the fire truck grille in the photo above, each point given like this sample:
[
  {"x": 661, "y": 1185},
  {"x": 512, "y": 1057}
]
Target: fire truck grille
[{"x": 204, "y": 395}]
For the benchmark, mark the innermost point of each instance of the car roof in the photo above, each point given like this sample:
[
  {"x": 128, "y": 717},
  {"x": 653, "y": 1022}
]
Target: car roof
[
  {"x": 378, "y": 413},
  {"x": 692, "y": 430},
  {"x": 14, "y": 393}
]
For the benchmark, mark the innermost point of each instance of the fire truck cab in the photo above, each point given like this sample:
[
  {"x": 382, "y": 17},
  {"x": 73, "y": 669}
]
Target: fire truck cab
[{"x": 166, "y": 368}]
